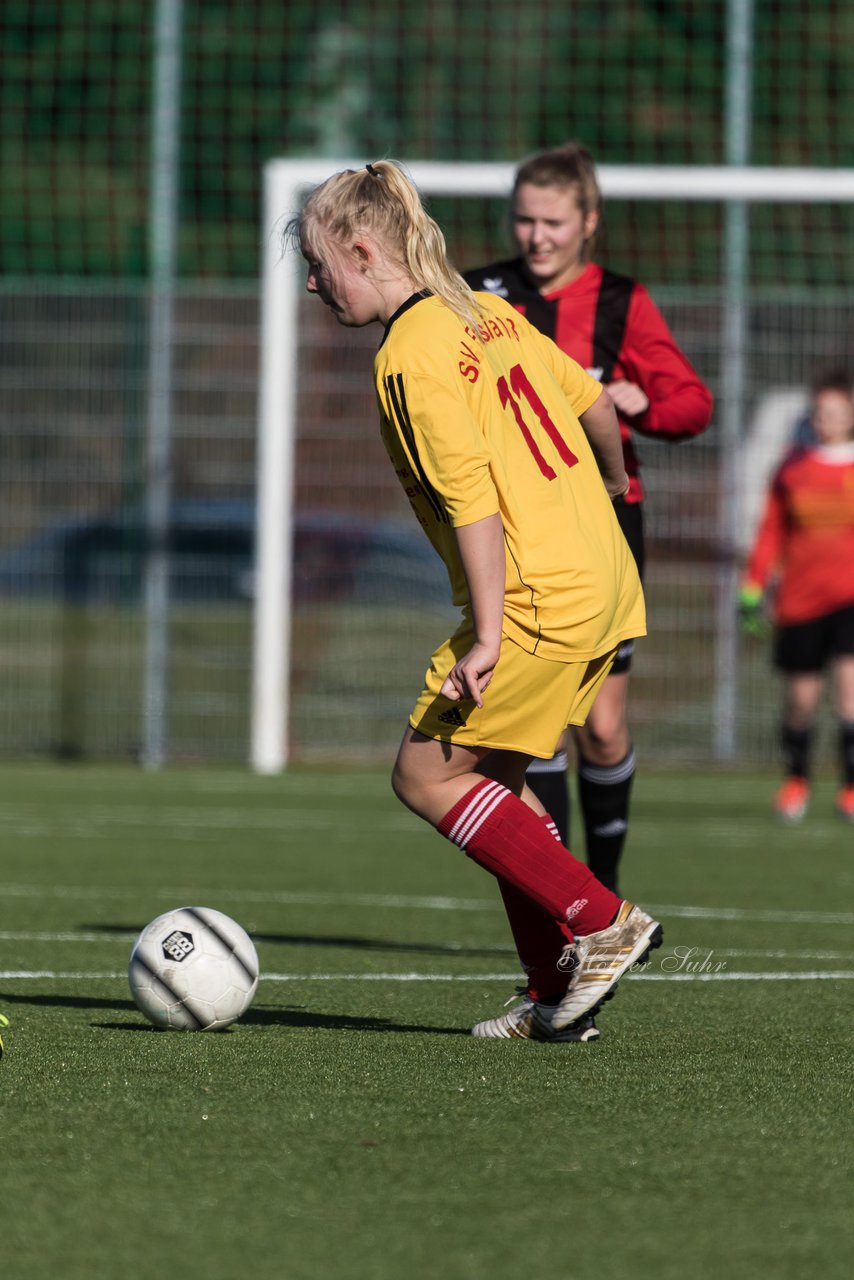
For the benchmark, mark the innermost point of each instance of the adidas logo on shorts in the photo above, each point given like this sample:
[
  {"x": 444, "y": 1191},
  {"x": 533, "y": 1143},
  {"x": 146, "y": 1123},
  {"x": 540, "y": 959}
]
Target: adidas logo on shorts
[{"x": 451, "y": 716}]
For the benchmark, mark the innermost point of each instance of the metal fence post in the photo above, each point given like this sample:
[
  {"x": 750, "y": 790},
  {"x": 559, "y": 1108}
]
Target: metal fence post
[{"x": 163, "y": 220}]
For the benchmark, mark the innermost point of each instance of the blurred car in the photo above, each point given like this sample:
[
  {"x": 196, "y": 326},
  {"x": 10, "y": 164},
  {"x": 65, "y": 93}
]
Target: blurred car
[{"x": 211, "y": 544}]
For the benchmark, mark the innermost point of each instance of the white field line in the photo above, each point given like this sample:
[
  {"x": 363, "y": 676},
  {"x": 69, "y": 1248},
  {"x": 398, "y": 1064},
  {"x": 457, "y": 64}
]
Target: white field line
[
  {"x": 9, "y": 935},
  {"x": 757, "y": 915},
  {"x": 401, "y": 902},
  {"x": 816, "y": 976},
  {"x": 844, "y": 975}
]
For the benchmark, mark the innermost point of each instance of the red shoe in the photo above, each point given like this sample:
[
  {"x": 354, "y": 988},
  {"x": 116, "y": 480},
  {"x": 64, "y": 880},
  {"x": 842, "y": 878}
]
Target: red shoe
[
  {"x": 790, "y": 802},
  {"x": 845, "y": 803}
]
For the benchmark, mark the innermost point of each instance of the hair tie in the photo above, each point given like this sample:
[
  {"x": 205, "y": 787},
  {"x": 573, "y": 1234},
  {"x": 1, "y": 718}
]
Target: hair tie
[{"x": 372, "y": 171}]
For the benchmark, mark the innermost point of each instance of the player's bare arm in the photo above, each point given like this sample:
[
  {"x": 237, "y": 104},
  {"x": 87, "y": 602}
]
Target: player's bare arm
[
  {"x": 482, "y": 552},
  {"x": 603, "y": 431}
]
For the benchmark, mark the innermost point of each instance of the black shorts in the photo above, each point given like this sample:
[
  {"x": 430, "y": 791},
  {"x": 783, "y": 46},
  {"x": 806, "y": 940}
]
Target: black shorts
[
  {"x": 808, "y": 647},
  {"x": 630, "y": 519}
]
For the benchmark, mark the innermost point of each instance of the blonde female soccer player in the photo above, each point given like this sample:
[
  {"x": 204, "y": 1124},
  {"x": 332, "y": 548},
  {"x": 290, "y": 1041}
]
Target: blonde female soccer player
[{"x": 510, "y": 455}]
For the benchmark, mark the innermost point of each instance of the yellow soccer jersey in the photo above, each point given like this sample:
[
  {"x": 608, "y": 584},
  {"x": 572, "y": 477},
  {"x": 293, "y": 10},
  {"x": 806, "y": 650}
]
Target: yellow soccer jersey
[{"x": 483, "y": 418}]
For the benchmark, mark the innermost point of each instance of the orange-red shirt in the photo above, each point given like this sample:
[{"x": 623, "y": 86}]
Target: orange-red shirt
[{"x": 806, "y": 535}]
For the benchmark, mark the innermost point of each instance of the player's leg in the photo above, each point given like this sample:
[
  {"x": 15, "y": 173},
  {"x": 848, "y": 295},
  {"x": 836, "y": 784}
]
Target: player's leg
[
  {"x": 441, "y": 773},
  {"x": 843, "y": 697},
  {"x": 547, "y": 779},
  {"x": 494, "y": 827},
  {"x": 800, "y": 654},
  {"x": 527, "y": 703},
  {"x": 606, "y": 770},
  {"x": 440, "y": 782},
  {"x": 605, "y": 758},
  {"x": 462, "y": 768},
  {"x": 541, "y": 942},
  {"x": 802, "y": 695}
]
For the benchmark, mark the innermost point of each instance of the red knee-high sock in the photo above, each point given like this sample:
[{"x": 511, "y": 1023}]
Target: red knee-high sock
[
  {"x": 540, "y": 940},
  {"x": 499, "y": 832}
]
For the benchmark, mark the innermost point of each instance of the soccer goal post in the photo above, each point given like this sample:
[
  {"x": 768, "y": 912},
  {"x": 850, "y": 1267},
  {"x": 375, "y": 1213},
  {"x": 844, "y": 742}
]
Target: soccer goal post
[{"x": 730, "y": 190}]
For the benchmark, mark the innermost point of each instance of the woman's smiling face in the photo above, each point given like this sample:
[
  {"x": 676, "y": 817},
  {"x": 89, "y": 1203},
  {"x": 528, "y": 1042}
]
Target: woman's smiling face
[{"x": 551, "y": 233}]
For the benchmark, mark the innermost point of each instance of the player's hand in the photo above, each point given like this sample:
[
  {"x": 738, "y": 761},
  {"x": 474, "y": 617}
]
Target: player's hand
[
  {"x": 751, "y": 614},
  {"x": 471, "y": 675},
  {"x": 628, "y": 398}
]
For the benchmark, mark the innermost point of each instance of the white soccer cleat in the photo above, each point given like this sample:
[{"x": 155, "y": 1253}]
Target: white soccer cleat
[
  {"x": 533, "y": 1021},
  {"x": 602, "y": 958}
]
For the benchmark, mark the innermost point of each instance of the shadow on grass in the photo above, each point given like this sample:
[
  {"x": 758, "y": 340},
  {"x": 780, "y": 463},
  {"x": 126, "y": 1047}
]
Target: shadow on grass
[
  {"x": 301, "y": 1018},
  {"x": 335, "y": 941},
  {"x": 253, "y": 1017},
  {"x": 340, "y": 1022},
  {"x": 66, "y": 1002}
]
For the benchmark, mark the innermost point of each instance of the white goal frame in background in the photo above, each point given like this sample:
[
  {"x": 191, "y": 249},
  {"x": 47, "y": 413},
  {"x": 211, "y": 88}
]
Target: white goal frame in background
[{"x": 285, "y": 182}]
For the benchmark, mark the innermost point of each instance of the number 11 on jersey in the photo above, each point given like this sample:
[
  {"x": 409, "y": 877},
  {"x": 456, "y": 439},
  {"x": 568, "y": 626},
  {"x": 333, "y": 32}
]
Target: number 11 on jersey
[{"x": 522, "y": 388}]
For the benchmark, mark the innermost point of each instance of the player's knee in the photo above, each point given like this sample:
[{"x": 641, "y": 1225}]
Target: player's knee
[
  {"x": 605, "y": 741},
  {"x": 405, "y": 784},
  {"x": 398, "y": 781}
]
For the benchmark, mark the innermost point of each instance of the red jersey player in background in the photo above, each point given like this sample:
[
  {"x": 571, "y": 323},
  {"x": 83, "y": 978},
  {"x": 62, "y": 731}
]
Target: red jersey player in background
[
  {"x": 805, "y": 546},
  {"x": 609, "y": 324}
]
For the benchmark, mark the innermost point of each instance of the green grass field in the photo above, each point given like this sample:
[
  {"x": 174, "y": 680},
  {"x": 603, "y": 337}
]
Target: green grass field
[{"x": 348, "y": 1128}]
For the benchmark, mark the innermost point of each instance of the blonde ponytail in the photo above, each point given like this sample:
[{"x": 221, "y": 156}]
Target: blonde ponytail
[{"x": 380, "y": 200}]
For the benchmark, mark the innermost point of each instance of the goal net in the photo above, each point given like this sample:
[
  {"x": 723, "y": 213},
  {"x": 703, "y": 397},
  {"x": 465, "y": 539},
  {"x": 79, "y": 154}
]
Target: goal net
[{"x": 749, "y": 267}]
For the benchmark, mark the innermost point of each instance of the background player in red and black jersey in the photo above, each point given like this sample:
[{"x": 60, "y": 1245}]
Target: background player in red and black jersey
[{"x": 609, "y": 324}]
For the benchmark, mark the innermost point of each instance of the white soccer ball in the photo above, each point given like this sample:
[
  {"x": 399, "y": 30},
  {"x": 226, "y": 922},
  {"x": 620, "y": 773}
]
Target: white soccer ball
[{"x": 193, "y": 969}]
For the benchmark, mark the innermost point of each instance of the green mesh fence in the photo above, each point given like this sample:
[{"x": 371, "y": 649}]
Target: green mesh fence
[{"x": 639, "y": 81}]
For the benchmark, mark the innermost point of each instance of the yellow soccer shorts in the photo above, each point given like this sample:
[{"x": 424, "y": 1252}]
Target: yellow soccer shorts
[{"x": 526, "y": 707}]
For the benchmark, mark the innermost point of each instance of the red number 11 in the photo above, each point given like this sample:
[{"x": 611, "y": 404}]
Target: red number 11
[{"x": 522, "y": 387}]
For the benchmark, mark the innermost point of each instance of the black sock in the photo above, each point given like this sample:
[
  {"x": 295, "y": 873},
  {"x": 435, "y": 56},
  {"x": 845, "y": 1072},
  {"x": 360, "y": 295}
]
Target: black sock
[
  {"x": 604, "y": 792},
  {"x": 547, "y": 780},
  {"x": 846, "y": 749},
  {"x": 797, "y": 746}
]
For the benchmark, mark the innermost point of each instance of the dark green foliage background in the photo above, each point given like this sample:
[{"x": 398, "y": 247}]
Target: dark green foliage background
[{"x": 641, "y": 81}]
